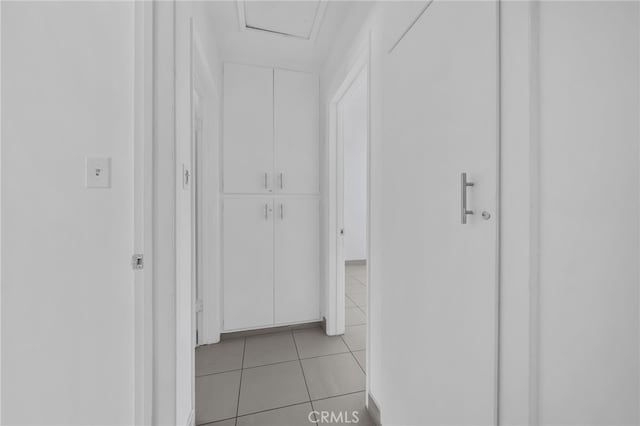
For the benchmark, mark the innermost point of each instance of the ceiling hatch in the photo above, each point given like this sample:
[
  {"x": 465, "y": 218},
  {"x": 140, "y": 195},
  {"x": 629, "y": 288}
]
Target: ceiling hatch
[{"x": 299, "y": 19}]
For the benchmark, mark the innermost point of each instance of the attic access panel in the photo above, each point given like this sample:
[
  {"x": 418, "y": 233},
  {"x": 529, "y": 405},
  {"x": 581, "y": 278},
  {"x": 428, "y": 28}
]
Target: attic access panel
[{"x": 298, "y": 19}]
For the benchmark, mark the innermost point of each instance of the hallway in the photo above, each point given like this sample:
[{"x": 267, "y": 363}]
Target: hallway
[{"x": 280, "y": 378}]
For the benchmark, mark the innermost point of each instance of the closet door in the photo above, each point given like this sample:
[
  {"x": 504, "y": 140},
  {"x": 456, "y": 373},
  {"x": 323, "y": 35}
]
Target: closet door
[
  {"x": 439, "y": 120},
  {"x": 296, "y": 132},
  {"x": 248, "y": 262},
  {"x": 297, "y": 260},
  {"x": 248, "y": 129}
]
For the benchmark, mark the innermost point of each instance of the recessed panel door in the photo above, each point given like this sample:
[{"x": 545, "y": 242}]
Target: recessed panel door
[
  {"x": 248, "y": 129},
  {"x": 248, "y": 262},
  {"x": 297, "y": 260},
  {"x": 439, "y": 282},
  {"x": 296, "y": 132}
]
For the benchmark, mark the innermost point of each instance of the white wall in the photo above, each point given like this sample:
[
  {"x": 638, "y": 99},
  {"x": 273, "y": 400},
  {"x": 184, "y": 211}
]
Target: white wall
[
  {"x": 67, "y": 306},
  {"x": 354, "y": 110},
  {"x": 570, "y": 184},
  {"x": 588, "y": 318}
]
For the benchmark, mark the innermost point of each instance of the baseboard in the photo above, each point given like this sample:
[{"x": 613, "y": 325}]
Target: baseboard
[
  {"x": 373, "y": 410},
  {"x": 191, "y": 420},
  {"x": 267, "y": 330},
  {"x": 356, "y": 262}
]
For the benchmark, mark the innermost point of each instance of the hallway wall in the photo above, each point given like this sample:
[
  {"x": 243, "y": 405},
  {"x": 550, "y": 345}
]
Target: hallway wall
[
  {"x": 589, "y": 212},
  {"x": 67, "y": 295}
]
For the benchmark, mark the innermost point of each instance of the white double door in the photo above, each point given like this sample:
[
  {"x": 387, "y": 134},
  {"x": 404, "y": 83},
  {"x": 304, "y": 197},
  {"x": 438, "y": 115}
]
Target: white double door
[
  {"x": 270, "y": 131},
  {"x": 271, "y": 261},
  {"x": 439, "y": 286}
]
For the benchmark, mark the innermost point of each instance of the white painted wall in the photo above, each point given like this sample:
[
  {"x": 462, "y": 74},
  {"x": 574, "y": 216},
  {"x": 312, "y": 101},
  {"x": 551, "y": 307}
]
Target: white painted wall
[
  {"x": 354, "y": 110},
  {"x": 570, "y": 186},
  {"x": 588, "y": 319},
  {"x": 67, "y": 306}
]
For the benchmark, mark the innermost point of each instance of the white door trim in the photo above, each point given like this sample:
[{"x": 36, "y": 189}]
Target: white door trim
[
  {"x": 335, "y": 315},
  {"x": 143, "y": 211},
  {"x": 203, "y": 83}
]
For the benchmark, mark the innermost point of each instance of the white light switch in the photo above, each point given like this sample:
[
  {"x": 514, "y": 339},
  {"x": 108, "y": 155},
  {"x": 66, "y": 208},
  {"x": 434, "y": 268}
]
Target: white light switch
[{"x": 98, "y": 173}]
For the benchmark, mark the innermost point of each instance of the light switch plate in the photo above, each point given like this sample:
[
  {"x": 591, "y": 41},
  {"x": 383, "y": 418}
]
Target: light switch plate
[{"x": 98, "y": 174}]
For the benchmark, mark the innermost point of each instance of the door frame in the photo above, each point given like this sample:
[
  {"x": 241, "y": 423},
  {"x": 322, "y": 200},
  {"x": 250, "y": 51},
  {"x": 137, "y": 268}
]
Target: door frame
[
  {"x": 335, "y": 315},
  {"x": 143, "y": 210},
  {"x": 208, "y": 282}
]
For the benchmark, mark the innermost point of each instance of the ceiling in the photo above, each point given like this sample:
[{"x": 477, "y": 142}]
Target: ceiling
[{"x": 293, "y": 34}]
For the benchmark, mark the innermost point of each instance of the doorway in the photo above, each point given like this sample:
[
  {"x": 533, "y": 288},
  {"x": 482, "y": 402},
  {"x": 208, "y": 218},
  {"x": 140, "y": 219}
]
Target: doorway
[{"x": 352, "y": 142}]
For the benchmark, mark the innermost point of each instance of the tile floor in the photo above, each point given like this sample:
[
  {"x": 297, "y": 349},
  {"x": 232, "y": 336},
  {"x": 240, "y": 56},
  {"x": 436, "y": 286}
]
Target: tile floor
[{"x": 277, "y": 379}]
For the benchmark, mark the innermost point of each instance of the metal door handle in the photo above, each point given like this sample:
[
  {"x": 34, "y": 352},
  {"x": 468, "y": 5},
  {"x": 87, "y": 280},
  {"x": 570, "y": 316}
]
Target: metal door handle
[
  {"x": 463, "y": 189},
  {"x": 266, "y": 211},
  {"x": 266, "y": 176},
  {"x": 281, "y": 211},
  {"x": 281, "y": 180}
]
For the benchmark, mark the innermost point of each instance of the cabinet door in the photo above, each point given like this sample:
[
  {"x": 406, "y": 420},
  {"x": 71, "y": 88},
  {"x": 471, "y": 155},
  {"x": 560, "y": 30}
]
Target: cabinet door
[
  {"x": 248, "y": 129},
  {"x": 297, "y": 260},
  {"x": 248, "y": 262},
  {"x": 296, "y": 132}
]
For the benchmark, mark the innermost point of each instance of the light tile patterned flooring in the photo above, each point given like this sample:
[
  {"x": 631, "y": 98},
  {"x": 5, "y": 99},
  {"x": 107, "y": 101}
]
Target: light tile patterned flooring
[{"x": 277, "y": 379}]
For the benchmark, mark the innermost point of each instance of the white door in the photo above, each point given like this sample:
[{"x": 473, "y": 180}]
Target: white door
[
  {"x": 439, "y": 275},
  {"x": 296, "y": 132},
  {"x": 297, "y": 260},
  {"x": 248, "y": 262},
  {"x": 248, "y": 129}
]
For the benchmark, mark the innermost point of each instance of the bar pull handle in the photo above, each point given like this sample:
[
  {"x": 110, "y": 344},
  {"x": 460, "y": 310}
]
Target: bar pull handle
[
  {"x": 464, "y": 184},
  {"x": 266, "y": 177},
  {"x": 266, "y": 211},
  {"x": 281, "y": 180},
  {"x": 281, "y": 211}
]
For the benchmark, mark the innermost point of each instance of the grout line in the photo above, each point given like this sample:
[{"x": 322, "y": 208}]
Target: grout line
[
  {"x": 322, "y": 356},
  {"x": 288, "y": 406},
  {"x": 304, "y": 377},
  {"x": 365, "y": 314},
  {"x": 219, "y": 372},
  {"x": 274, "y": 408},
  {"x": 347, "y": 296},
  {"x": 354, "y": 357},
  {"x": 281, "y": 362},
  {"x": 342, "y": 394},
  {"x": 244, "y": 348},
  {"x": 275, "y": 363},
  {"x": 358, "y": 279}
]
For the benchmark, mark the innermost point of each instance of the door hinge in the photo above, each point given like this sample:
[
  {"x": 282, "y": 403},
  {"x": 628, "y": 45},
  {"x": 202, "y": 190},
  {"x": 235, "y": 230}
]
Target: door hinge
[
  {"x": 199, "y": 305},
  {"x": 137, "y": 261}
]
